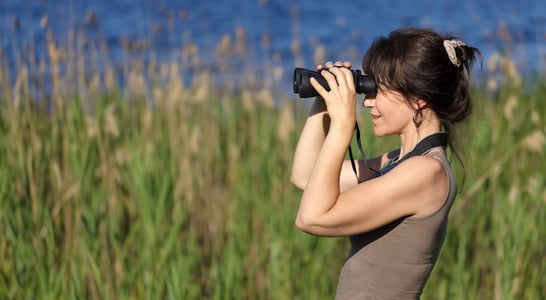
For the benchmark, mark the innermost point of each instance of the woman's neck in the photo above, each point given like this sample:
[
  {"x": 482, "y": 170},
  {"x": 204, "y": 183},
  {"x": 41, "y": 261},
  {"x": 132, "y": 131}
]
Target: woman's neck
[{"x": 409, "y": 140}]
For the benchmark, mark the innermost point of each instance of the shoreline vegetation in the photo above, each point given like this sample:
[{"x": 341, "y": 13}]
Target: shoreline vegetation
[{"x": 134, "y": 182}]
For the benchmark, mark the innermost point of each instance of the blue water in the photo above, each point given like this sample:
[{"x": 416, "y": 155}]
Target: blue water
[{"x": 343, "y": 28}]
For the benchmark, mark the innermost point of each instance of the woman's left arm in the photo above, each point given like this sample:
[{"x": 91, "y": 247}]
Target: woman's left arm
[{"x": 417, "y": 187}]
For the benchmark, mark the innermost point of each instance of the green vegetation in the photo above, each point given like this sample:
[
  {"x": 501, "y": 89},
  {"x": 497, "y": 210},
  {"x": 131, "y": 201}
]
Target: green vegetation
[{"x": 105, "y": 194}]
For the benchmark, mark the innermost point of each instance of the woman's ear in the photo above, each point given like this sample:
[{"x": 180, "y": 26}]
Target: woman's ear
[{"x": 418, "y": 104}]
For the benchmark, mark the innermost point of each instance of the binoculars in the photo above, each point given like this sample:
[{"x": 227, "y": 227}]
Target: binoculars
[{"x": 364, "y": 84}]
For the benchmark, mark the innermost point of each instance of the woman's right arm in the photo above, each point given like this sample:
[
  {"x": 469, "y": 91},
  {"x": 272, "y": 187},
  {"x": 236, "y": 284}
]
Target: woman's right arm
[{"x": 312, "y": 136}]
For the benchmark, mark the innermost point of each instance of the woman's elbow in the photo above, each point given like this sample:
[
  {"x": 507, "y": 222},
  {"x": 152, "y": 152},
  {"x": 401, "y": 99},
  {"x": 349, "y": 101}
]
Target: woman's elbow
[
  {"x": 298, "y": 182},
  {"x": 302, "y": 224},
  {"x": 307, "y": 224}
]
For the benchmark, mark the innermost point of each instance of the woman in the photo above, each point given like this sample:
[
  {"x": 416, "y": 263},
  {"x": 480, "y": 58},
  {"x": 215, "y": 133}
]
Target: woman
[{"x": 395, "y": 209}]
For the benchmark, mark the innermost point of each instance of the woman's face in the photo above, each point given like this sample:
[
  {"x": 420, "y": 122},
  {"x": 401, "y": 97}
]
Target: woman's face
[{"x": 391, "y": 114}]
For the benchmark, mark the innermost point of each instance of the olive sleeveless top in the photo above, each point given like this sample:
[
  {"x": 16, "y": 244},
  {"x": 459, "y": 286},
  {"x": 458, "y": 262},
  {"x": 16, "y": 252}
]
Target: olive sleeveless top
[{"x": 395, "y": 261}]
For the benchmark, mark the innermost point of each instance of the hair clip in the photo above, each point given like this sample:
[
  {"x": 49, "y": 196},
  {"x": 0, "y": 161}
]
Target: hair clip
[{"x": 450, "y": 46}]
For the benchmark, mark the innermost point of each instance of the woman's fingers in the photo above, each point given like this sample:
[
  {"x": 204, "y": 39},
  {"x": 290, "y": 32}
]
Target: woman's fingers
[
  {"x": 327, "y": 65},
  {"x": 344, "y": 79},
  {"x": 331, "y": 80},
  {"x": 319, "y": 88},
  {"x": 345, "y": 64},
  {"x": 349, "y": 78},
  {"x": 338, "y": 76}
]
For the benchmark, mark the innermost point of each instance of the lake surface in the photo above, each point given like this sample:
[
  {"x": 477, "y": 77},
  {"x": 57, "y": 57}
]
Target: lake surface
[{"x": 343, "y": 29}]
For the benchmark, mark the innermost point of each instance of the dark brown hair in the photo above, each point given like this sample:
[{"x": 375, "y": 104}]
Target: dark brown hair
[{"x": 415, "y": 63}]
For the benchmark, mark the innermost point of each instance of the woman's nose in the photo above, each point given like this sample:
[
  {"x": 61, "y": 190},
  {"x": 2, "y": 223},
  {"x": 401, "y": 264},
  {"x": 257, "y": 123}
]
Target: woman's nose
[{"x": 368, "y": 102}]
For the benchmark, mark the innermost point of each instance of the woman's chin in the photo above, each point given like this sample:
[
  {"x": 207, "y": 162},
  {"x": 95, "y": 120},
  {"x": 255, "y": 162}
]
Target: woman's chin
[{"x": 379, "y": 133}]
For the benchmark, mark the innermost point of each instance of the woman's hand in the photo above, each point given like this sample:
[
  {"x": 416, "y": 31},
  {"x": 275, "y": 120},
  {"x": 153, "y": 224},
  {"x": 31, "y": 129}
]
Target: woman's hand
[{"x": 340, "y": 100}]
